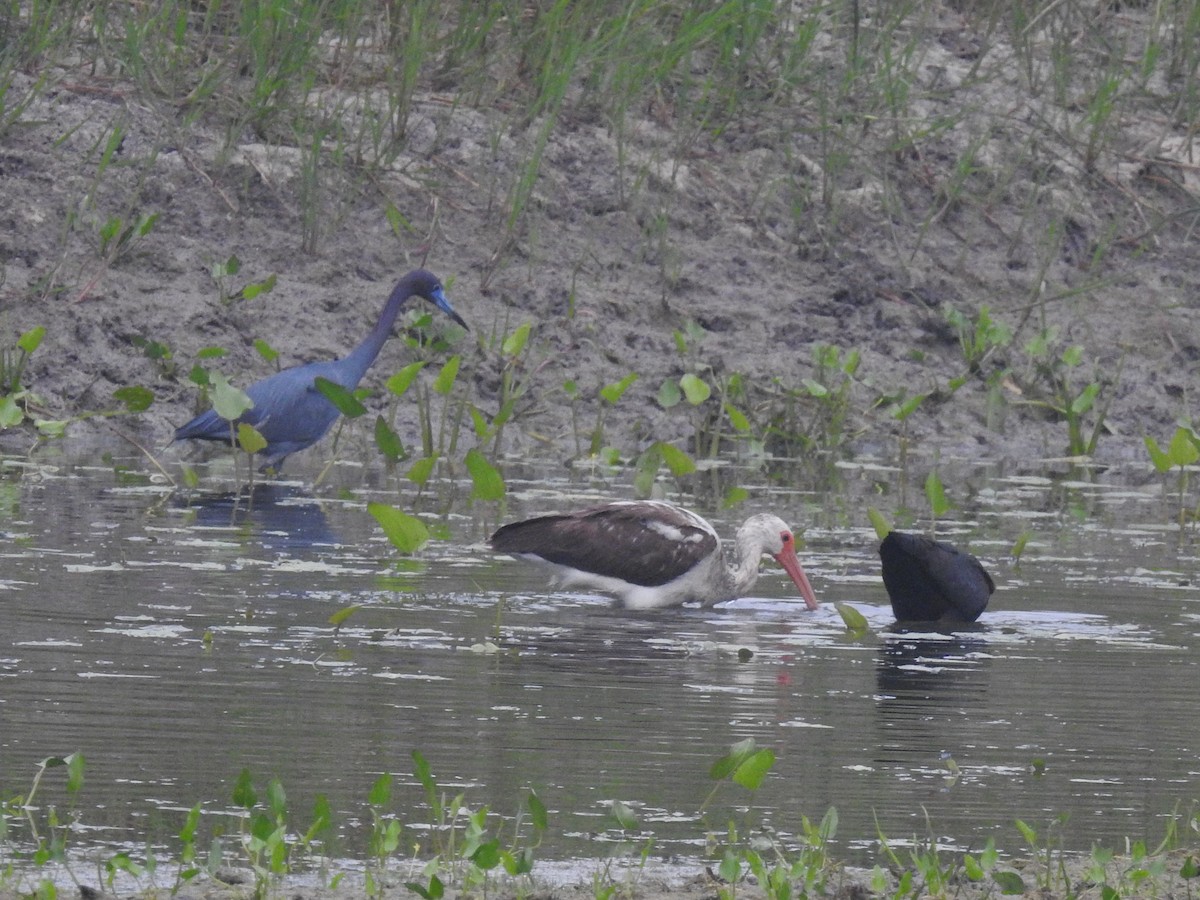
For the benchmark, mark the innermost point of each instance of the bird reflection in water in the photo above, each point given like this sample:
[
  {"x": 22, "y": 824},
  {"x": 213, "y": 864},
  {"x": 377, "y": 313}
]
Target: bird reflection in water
[
  {"x": 279, "y": 517},
  {"x": 929, "y": 686}
]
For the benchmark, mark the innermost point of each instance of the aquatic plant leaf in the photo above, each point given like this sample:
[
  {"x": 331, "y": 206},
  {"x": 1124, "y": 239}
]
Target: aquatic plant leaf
[
  {"x": 343, "y": 614},
  {"x": 695, "y": 389},
  {"x": 737, "y": 418},
  {"x": 855, "y": 622},
  {"x": 187, "y": 833},
  {"x": 276, "y": 799},
  {"x": 815, "y": 388},
  {"x": 444, "y": 383},
  {"x": 515, "y": 342},
  {"x": 669, "y": 394},
  {"x": 74, "y": 763},
  {"x": 422, "y": 470},
  {"x": 249, "y": 438},
  {"x": 827, "y": 830},
  {"x": 903, "y": 410},
  {"x": 243, "y": 791},
  {"x": 135, "y": 397},
  {"x": 381, "y": 790},
  {"x": 252, "y": 290},
  {"x": 727, "y": 764},
  {"x": 231, "y": 266},
  {"x": 624, "y": 815},
  {"x": 487, "y": 483},
  {"x": 11, "y": 413},
  {"x": 479, "y": 421},
  {"x": 677, "y": 460},
  {"x": 754, "y": 769},
  {"x": 407, "y": 533},
  {"x": 387, "y": 440},
  {"x": 731, "y": 866},
  {"x": 972, "y": 867},
  {"x": 1183, "y": 450},
  {"x": 537, "y": 812},
  {"x": 1190, "y": 868},
  {"x": 53, "y": 428},
  {"x": 400, "y": 382},
  {"x": 881, "y": 525},
  {"x": 210, "y": 353},
  {"x": 612, "y": 393},
  {"x": 734, "y": 496},
  {"x": 31, "y": 339},
  {"x": 322, "y": 819},
  {"x": 645, "y": 469},
  {"x": 348, "y": 405},
  {"x": 435, "y": 891},
  {"x": 1010, "y": 883},
  {"x": 936, "y": 494},
  {"x": 487, "y": 855},
  {"x": 266, "y": 351},
  {"x": 1086, "y": 398},
  {"x": 229, "y": 402},
  {"x": 423, "y": 774},
  {"x": 519, "y": 863},
  {"x": 1018, "y": 546}
]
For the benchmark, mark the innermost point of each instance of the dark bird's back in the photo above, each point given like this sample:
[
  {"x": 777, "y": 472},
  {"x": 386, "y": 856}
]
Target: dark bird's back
[{"x": 928, "y": 580}]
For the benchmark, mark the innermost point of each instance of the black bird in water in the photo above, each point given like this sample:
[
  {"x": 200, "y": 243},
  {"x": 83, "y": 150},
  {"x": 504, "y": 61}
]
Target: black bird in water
[
  {"x": 288, "y": 409},
  {"x": 930, "y": 580}
]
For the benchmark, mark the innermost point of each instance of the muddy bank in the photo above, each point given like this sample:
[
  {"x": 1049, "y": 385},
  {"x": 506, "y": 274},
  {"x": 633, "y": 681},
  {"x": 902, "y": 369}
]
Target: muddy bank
[{"x": 625, "y": 239}]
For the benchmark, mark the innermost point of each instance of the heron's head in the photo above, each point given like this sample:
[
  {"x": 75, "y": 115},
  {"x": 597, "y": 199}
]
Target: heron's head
[{"x": 425, "y": 284}]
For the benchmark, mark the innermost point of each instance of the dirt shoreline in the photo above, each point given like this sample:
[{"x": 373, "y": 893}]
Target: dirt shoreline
[{"x": 710, "y": 237}]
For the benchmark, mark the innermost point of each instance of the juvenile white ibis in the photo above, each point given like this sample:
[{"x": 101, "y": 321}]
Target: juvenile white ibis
[
  {"x": 930, "y": 580},
  {"x": 652, "y": 554}
]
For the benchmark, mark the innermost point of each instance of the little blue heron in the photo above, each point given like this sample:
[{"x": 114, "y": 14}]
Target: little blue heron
[
  {"x": 289, "y": 411},
  {"x": 652, "y": 554},
  {"x": 930, "y": 580}
]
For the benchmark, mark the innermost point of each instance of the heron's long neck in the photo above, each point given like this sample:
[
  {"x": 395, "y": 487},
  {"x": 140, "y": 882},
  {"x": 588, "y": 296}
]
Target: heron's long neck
[
  {"x": 360, "y": 358},
  {"x": 747, "y": 553}
]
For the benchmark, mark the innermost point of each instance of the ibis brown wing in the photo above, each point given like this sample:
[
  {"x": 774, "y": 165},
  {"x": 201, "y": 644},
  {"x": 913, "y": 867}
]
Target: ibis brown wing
[{"x": 640, "y": 543}]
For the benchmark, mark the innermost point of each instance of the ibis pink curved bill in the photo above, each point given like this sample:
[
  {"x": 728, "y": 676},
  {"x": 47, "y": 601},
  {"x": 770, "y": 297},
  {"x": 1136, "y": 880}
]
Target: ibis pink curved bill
[{"x": 651, "y": 554}]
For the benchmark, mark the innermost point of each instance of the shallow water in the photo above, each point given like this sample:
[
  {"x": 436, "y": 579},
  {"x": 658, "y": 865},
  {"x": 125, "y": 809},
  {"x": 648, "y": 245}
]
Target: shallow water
[{"x": 1086, "y": 660}]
